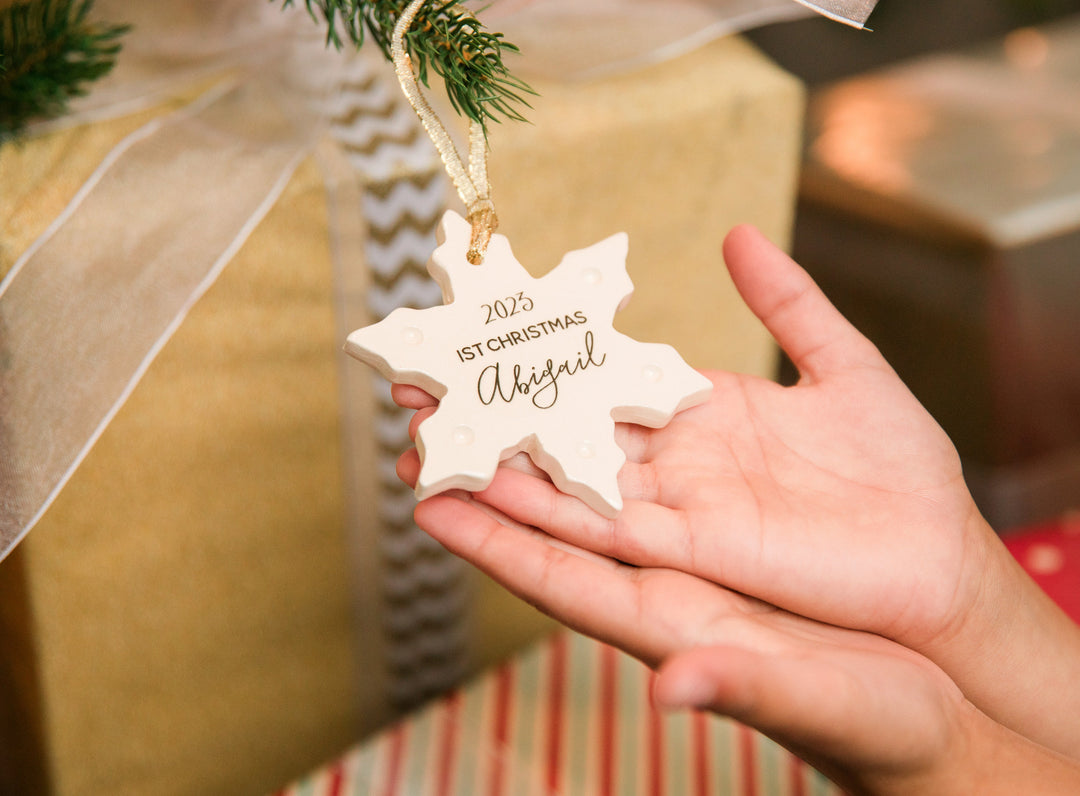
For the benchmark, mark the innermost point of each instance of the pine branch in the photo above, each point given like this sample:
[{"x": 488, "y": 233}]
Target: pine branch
[
  {"x": 49, "y": 51},
  {"x": 444, "y": 38}
]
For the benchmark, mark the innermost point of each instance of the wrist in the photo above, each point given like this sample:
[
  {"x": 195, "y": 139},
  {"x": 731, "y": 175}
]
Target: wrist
[
  {"x": 984, "y": 758},
  {"x": 997, "y": 760},
  {"x": 1011, "y": 650}
]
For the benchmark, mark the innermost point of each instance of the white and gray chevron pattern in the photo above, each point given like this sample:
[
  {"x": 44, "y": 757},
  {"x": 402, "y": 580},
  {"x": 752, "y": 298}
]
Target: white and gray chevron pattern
[{"x": 423, "y": 591}]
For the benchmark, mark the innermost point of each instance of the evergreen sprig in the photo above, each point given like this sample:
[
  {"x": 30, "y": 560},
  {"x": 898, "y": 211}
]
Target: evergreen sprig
[
  {"x": 49, "y": 51},
  {"x": 444, "y": 37}
]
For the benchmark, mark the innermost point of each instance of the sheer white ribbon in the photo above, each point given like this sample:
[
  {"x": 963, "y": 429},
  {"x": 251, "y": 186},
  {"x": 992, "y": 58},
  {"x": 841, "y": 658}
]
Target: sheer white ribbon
[
  {"x": 84, "y": 311},
  {"x": 581, "y": 39}
]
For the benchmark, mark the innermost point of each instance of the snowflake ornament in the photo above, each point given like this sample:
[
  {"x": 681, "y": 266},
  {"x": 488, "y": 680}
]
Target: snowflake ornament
[{"x": 526, "y": 364}]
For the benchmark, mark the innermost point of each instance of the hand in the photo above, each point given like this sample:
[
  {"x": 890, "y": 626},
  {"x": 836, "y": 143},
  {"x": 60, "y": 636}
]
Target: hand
[{"x": 838, "y": 499}]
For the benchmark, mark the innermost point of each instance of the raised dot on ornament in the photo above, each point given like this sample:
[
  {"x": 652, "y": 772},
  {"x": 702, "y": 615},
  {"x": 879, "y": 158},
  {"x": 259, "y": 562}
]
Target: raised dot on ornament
[
  {"x": 412, "y": 335},
  {"x": 586, "y": 450},
  {"x": 652, "y": 374},
  {"x": 592, "y": 276},
  {"x": 463, "y": 435}
]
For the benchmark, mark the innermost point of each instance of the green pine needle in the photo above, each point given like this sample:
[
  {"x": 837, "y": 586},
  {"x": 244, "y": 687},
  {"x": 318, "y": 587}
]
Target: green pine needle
[
  {"x": 49, "y": 51},
  {"x": 444, "y": 37}
]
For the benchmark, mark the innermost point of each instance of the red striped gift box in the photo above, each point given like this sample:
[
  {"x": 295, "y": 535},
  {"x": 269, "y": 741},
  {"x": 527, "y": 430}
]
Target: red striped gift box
[{"x": 570, "y": 717}]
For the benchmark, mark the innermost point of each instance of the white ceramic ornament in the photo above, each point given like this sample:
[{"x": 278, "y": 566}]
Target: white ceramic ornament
[{"x": 526, "y": 364}]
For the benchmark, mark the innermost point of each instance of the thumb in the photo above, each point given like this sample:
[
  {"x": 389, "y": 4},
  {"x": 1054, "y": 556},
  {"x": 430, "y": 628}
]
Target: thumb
[
  {"x": 736, "y": 682},
  {"x": 798, "y": 704},
  {"x": 812, "y": 332}
]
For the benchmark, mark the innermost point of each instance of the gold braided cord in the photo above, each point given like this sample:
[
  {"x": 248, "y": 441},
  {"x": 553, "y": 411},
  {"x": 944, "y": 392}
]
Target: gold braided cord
[
  {"x": 478, "y": 160},
  {"x": 470, "y": 181}
]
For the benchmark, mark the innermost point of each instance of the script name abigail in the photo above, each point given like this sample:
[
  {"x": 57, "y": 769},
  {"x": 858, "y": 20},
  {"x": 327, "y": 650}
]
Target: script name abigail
[{"x": 540, "y": 383}]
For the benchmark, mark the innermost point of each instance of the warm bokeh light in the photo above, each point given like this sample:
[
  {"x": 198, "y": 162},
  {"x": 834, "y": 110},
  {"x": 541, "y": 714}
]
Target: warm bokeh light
[
  {"x": 1026, "y": 49},
  {"x": 866, "y": 134}
]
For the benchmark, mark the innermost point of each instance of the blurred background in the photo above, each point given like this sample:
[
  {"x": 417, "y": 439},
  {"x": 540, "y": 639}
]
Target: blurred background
[
  {"x": 229, "y": 590},
  {"x": 938, "y": 207}
]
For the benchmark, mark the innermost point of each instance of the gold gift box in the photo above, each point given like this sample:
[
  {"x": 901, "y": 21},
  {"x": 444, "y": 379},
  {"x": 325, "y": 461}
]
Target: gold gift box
[{"x": 180, "y": 620}]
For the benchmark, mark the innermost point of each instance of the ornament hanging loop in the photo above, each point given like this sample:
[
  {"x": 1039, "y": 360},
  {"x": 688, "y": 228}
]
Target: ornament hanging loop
[
  {"x": 484, "y": 223},
  {"x": 471, "y": 181}
]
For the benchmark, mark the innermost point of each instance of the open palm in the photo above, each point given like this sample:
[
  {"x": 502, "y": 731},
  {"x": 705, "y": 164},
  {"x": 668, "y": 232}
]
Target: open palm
[{"x": 839, "y": 498}]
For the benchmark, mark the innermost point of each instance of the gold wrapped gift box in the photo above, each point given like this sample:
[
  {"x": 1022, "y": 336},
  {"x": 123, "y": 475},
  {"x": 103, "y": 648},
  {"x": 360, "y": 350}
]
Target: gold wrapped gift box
[
  {"x": 187, "y": 596},
  {"x": 182, "y": 619}
]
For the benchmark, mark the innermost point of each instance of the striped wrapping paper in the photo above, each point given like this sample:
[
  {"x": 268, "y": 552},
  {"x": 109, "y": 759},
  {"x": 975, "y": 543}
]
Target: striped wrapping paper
[{"x": 570, "y": 717}]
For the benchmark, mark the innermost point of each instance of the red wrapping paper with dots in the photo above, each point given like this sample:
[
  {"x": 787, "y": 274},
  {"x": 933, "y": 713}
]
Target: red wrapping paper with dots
[{"x": 1050, "y": 552}]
